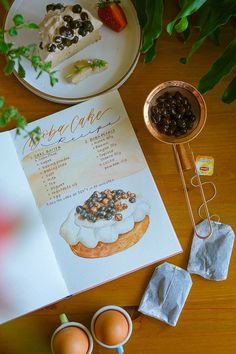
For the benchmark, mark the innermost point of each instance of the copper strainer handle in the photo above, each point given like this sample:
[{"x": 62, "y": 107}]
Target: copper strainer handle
[
  {"x": 180, "y": 167},
  {"x": 183, "y": 156}
]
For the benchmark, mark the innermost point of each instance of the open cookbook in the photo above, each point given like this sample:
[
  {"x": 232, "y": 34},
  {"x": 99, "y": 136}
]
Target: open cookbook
[{"x": 87, "y": 209}]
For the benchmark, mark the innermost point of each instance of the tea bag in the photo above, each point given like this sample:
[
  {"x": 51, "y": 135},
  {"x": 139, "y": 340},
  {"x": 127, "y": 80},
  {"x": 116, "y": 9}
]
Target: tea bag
[
  {"x": 210, "y": 258},
  {"x": 166, "y": 293}
]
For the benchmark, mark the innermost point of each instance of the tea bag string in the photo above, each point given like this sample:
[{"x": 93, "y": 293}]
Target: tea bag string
[{"x": 195, "y": 184}]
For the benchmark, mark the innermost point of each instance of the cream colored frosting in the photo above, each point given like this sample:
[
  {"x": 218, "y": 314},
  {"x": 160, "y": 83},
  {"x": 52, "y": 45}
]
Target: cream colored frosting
[
  {"x": 49, "y": 27},
  {"x": 75, "y": 230}
]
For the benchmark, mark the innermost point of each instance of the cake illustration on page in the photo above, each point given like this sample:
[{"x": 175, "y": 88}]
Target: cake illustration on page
[
  {"x": 66, "y": 30},
  {"x": 108, "y": 222}
]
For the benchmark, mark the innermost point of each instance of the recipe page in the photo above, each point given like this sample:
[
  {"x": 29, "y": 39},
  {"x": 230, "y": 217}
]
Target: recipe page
[
  {"x": 27, "y": 261},
  {"x": 97, "y": 198}
]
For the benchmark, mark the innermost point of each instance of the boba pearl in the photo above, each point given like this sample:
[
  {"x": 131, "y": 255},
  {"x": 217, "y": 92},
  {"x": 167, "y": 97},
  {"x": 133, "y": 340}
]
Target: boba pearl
[{"x": 172, "y": 114}]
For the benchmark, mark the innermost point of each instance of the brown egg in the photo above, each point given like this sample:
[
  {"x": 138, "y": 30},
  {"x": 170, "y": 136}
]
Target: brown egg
[
  {"x": 111, "y": 327},
  {"x": 70, "y": 340}
]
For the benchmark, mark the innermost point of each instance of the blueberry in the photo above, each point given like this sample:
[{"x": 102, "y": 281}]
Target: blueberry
[
  {"x": 111, "y": 203},
  {"x": 77, "y": 9},
  {"x": 79, "y": 208},
  {"x": 75, "y": 40},
  {"x": 84, "y": 16},
  {"x": 132, "y": 200},
  {"x": 67, "y": 18},
  {"x": 58, "y": 39},
  {"x": 50, "y": 7},
  {"x": 59, "y": 7},
  {"x": 75, "y": 24},
  {"x": 51, "y": 47},
  {"x": 82, "y": 32}
]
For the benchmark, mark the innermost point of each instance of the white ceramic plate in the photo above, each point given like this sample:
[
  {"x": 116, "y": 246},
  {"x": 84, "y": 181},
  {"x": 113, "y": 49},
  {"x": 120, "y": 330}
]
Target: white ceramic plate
[{"x": 120, "y": 50}]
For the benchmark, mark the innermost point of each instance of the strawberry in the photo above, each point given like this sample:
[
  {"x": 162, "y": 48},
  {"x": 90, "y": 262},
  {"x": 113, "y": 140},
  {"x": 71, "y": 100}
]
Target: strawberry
[{"x": 111, "y": 14}]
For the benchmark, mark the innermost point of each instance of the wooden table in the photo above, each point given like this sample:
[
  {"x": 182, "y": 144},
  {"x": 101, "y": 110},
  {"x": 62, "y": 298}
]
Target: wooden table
[{"x": 208, "y": 321}]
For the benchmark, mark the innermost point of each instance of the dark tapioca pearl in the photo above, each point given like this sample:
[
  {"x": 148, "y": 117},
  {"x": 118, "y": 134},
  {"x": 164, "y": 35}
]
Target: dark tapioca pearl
[
  {"x": 192, "y": 118},
  {"x": 50, "y": 7},
  {"x": 77, "y": 9},
  {"x": 94, "y": 198},
  {"x": 120, "y": 191},
  {"x": 185, "y": 101},
  {"x": 132, "y": 200},
  {"x": 84, "y": 16},
  {"x": 113, "y": 211},
  {"x": 75, "y": 40},
  {"x": 100, "y": 199},
  {"x": 108, "y": 216},
  {"x": 183, "y": 131},
  {"x": 102, "y": 208},
  {"x": 41, "y": 45},
  {"x": 154, "y": 110},
  {"x": 82, "y": 32},
  {"x": 181, "y": 124},
  {"x": 101, "y": 214},
  {"x": 51, "y": 47},
  {"x": 67, "y": 18},
  {"x": 189, "y": 125},
  {"x": 90, "y": 204},
  {"x": 173, "y": 111},
  {"x": 178, "y": 133},
  {"x": 79, "y": 208},
  {"x": 59, "y": 7},
  {"x": 111, "y": 203},
  {"x": 181, "y": 109},
  {"x": 57, "y": 39},
  {"x": 171, "y": 130}
]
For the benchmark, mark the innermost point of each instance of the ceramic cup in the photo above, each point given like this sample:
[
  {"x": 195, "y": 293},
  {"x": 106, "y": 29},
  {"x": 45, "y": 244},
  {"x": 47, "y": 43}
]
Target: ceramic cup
[
  {"x": 66, "y": 323},
  {"x": 118, "y": 347}
]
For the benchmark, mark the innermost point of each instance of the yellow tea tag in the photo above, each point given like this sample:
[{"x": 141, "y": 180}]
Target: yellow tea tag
[{"x": 205, "y": 165}]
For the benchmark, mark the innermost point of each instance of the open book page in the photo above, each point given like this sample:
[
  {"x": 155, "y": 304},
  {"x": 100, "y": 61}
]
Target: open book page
[
  {"x": 27, "y": 262},
  {"x": 98, "y": 201}
]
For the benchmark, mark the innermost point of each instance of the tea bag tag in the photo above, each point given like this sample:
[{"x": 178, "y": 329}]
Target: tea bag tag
[{"x": 210, "y": 258}]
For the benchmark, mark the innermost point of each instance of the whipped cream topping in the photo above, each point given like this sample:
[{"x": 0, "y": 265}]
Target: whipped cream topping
[
  {"x": 53, "y": 20},
  {"x": 75, "y": 230}
]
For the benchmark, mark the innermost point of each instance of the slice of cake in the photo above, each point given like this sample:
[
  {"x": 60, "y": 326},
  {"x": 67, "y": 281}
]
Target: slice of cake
[{"x": 65, "y": 30}]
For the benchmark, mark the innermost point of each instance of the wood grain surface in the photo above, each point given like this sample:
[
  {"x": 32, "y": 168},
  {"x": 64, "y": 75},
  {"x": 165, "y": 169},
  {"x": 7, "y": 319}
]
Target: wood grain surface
[{"x": 208, "y": 321}]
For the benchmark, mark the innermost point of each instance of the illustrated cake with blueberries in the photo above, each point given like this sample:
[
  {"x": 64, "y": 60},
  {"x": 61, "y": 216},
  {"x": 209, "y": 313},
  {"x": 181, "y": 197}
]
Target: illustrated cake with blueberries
[
  {"x": 108, "y": 222},
  {"x": 66, "y": 30}
]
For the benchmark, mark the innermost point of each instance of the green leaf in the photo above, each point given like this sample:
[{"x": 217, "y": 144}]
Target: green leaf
[
  {"x": 35, "y": 60},
  {"x": 13, "y": 31},
  {"x": 53, "y": 80},
  {"x": 182, "y": 25},
  {"x": 221, "y": 67},
  {"x": 194, "y": 48},
  {"x": 32, "y": 26},
  {"x": 188, "y": 9},
  {"x": 2, "y": 101},
  {"x": 142, "y": 17},
  {"x": 6, "y": 4},
  {"x": 21, "y": 122},
  {"x": 229, "y": 94},
  {"x": 18, "y": 20},
  {"x": 21, "y": 71},
  {"x": 2, "y": 122},
  {"x": 215, "y": 36},
  {"x": 153, "y": 26},
  {"x": 8, "y": 69},
  {"x": 151, "y": 54},
  {"x": 5, "y": 47}
]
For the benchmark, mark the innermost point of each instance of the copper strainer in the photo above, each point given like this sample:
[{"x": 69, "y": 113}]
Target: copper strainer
[{"x": 180, "y": 143}]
